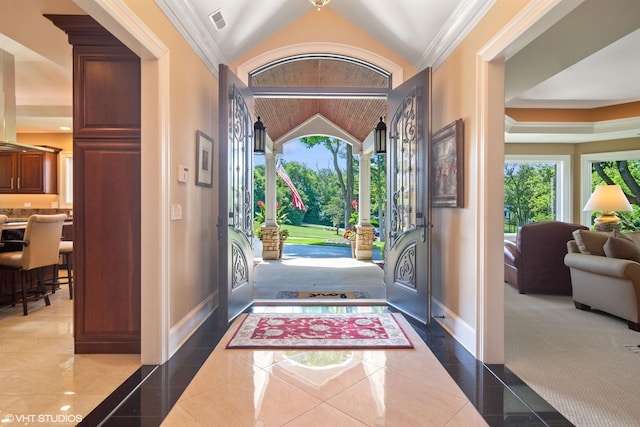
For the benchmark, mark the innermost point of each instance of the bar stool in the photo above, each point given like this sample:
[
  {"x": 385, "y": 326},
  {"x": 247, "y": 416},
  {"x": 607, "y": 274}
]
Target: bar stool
[
  {"x": 66, "y": 251},
  {"x": 40, "y": 248}
]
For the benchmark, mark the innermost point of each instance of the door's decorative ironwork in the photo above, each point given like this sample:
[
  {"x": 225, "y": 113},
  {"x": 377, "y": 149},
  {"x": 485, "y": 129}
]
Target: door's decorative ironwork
[
  {"x": 403, "y": 165},
  {"x": 240, "y": 268},
  {"x": 241, "y": 181},
  {"x": 405, "y": 271}
]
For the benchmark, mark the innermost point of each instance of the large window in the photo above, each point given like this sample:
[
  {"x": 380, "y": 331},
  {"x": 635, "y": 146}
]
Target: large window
[
  {"x": 536, "y": 188},
  {"x": 622, "y": 168}
]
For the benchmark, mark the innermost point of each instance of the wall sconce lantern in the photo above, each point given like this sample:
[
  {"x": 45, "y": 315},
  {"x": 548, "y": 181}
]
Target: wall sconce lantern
[
  {"x": 607, "y": 198},
  {"x": 259, "y": 136},
  {"x": 380, "y": 138}
]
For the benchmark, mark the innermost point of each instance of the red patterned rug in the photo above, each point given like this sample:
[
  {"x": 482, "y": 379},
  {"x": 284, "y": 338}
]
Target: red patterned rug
[{"x": 319, "y": 331}]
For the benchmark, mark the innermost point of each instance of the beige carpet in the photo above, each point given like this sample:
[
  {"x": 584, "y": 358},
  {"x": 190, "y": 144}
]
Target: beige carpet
[{"x": 585, "y": 364}]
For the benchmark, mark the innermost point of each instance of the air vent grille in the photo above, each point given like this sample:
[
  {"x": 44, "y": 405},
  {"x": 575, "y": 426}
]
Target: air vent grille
[{"x": 218, "y": 19}]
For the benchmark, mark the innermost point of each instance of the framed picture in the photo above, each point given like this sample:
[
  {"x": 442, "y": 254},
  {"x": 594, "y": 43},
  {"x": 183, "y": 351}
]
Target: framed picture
[
  {"x": 447, "y": 166},
  {"x": 204, "y": 160}
]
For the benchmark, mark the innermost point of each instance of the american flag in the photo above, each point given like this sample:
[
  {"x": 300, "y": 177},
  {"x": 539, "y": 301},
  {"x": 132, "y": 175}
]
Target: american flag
[{"x": 297, "y": 200}]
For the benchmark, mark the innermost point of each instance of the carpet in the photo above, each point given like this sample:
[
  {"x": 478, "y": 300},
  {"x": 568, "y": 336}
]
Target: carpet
[
  {"x": 582, "y": 362},
  {"x": 322, "y": 294},
  {"x": 319, "y": 331}
]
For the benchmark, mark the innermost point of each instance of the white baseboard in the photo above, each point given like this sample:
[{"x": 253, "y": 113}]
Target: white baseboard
[
  {"x": 183, "y": 330},
  {"x": 458, "y": 328}
]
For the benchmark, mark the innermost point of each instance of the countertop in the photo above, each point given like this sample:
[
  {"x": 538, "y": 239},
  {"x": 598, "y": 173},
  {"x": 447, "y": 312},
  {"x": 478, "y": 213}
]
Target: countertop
[{"x": 20, "y": 223}]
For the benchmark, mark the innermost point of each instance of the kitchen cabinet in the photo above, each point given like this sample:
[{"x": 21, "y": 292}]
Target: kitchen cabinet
[{"x": 30, "y": 172}]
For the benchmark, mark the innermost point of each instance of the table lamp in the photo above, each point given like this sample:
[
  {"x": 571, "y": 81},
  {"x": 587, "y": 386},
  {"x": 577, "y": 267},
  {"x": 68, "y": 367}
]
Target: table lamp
[{"x": 607, "y": 198}]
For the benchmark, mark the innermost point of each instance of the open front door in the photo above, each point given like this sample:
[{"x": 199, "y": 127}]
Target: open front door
[
  {"x": 407, "y": 267},
  {"x": 235, "y": 223}
]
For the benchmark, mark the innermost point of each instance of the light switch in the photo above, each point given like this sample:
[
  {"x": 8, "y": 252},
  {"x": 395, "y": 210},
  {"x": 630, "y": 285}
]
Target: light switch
[
  {"x": 183, "y": 173},
  {"x": 176, "y": 212}
]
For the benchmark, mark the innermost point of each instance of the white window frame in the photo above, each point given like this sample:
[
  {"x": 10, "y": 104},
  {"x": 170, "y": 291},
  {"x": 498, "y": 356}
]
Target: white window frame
[
  {"x": 563, "y": 178},
  {"x": 65, "y": 194},
  {"x": 585, "y": 175}
]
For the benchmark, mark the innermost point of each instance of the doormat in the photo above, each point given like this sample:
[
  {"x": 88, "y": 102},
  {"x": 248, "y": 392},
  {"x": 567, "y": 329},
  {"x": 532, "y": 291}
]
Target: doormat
[
  {"x": 319, "y": 331},
  {"x": 322, "y": 294}
]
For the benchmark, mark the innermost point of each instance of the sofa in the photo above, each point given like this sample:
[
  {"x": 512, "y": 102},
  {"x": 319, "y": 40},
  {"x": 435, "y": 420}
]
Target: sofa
[
  {"x": 605, "y": 273},
  {"x": 534, "y": 263}
]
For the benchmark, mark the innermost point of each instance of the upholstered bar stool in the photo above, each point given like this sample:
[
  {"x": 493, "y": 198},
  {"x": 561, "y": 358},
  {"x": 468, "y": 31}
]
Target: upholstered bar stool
[
  {"x": 40, "y": 248},
  {"x": 66, "y": 251}
]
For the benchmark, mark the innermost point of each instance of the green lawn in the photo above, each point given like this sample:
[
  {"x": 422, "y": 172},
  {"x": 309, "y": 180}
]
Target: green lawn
[
  {"x": 314, "y": 235},
  {"x": 322, "y": 236}
]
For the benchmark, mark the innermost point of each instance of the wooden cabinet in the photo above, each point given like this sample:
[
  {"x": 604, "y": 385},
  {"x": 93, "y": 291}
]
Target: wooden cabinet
[{"x": 30, "y": 172}]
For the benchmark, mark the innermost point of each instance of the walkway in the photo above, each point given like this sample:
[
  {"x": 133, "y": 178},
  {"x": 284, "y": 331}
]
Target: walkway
[{"x": 318, "y": 268}]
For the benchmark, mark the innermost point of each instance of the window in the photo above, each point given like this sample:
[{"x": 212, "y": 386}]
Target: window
[
  {"x": 536, "y": 188},
  {"x": 594, "y": 169},
  {"x": 66, "y": 180}
]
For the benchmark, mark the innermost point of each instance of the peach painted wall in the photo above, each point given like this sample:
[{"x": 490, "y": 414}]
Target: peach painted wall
[
  {"x": 454, "y": 271},
  {"x": 194, "y": 106},
  {"x": 612, "y": 112}
]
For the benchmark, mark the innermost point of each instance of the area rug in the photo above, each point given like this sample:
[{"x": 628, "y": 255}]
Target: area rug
[
  {"x": 319, "y": 331},
  {"x": 322, "y": 294}
]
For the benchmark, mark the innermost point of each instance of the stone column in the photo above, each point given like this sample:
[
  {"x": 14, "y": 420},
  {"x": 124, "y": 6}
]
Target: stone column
[{"x": 365, "y": 236}]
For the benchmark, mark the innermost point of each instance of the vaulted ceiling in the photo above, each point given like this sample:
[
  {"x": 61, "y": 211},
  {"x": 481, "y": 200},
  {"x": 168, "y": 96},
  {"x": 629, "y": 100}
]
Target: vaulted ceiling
[{"x": 587, "y": 60}]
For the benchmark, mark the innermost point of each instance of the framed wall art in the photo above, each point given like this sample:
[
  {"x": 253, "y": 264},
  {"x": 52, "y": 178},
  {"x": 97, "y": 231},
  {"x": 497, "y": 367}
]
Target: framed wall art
[
  {"x": 204, "y": 160},
  {"x": 447, "y": 166}
]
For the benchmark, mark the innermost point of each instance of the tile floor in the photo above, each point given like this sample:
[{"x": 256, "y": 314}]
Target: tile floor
[
  {"x": 42, "y": 382},
  {"x": 437, "y": 383},
  {"x": 203, "y": 386}
]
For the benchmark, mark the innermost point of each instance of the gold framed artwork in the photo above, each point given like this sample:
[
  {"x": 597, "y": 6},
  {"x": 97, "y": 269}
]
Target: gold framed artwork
[
  {"x": 447, "y": 166},
  {"x": 204, "y": 160}
]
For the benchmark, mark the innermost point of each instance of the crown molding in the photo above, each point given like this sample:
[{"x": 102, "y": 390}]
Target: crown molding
[
  {"x": 570, "y": 132},
  {"x": 189, "y": 25},
  {"x": 463, "y": 19}
]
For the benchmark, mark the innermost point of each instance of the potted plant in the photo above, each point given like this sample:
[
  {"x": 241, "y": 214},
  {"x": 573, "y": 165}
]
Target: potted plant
[
  {"x": 350, "y": 234},
  {"x": 284, "y": 234}
]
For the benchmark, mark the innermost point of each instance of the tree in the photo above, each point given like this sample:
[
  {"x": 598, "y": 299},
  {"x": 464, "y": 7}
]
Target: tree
[
  {"x": 529, "y": 192},
  {"x": 627, "y": 175},
  {"x": 336, "y": 148},
  {"x": 258, "y": 186},
  {"x": 378, "y": 186}
]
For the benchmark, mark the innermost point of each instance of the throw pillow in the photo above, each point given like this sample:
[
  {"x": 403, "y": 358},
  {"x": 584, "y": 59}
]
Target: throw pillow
[
  {"x": 634, "y": 236},
  {"x": 623, "y": 248},
  {"x": 591, "y": 242}
]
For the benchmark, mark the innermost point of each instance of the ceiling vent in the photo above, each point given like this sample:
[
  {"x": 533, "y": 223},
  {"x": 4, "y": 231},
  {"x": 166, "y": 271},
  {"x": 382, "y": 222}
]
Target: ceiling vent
[{"x": 218, "y": 19}]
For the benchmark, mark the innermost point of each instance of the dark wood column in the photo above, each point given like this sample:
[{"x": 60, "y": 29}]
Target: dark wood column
[{"x": 106, "y": 188}]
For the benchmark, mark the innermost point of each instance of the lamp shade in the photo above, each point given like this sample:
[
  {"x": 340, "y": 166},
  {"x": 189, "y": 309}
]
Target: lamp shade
[{"x": 607, "y": 198}]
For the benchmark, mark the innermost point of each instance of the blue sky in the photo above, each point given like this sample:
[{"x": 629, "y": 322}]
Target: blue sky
[{"x": 315, "y": 158}]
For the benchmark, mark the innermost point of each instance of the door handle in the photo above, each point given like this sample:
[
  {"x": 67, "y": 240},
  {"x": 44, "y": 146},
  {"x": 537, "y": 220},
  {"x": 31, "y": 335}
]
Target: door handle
[{"x": 421, "y": 222}]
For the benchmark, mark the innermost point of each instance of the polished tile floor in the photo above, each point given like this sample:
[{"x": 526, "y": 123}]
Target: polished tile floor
[
  {"x": 311, "y": 388},
  {"x": 42, "y": 382},
  {"x": 439, "y": 383}
]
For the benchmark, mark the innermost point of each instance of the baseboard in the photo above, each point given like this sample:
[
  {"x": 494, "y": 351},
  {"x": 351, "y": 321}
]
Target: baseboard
[
  {"x": 458, "y": 328},
  {"x": 183, "y": 330}
]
